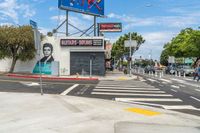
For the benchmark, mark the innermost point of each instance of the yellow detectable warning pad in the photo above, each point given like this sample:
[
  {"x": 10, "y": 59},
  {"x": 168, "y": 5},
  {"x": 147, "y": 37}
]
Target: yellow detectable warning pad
[
  {"x": 122, "y": 78},
  {"x": 143, "y": 111}
]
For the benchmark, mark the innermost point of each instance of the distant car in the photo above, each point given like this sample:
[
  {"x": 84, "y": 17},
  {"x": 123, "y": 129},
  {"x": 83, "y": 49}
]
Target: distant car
[
  {"x": 148, "y": 69},
  {"x": 170, "y": 70},
  {"x": 188, "y": 70}
]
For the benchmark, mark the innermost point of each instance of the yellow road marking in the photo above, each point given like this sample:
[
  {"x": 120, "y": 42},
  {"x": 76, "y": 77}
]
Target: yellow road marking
[
  {"x": 143, "y": 111},
  {"x": 122, "y": 78}
]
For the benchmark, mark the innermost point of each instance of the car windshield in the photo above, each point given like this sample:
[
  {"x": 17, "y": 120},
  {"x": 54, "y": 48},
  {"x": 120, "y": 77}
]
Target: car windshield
[{"x": 187, "y": 67}]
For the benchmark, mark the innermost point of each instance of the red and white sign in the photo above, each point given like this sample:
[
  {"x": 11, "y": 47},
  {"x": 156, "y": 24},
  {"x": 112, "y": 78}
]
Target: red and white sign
[{"x": 110, "y": 27}]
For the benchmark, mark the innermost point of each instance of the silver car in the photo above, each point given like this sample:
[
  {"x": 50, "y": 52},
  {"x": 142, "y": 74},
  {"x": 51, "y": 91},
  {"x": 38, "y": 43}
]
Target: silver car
[{"x": 188, "y": 70}]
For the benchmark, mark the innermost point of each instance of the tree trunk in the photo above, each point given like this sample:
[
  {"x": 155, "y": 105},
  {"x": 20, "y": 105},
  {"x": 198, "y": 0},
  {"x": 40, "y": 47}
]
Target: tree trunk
[{"x": 14, "y": 60}]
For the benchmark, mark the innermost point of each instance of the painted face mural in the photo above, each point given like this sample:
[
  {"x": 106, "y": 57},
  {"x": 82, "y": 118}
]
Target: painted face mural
[
  {"x": 46, "y": 62},
  {"x": 47, "y": 51}
]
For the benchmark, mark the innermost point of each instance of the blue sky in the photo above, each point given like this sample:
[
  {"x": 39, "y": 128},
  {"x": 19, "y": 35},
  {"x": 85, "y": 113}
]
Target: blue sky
[{"x": 156, "y": 20}]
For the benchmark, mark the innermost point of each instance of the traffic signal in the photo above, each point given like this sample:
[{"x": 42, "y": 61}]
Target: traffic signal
[{"x": 129, "y": 58}]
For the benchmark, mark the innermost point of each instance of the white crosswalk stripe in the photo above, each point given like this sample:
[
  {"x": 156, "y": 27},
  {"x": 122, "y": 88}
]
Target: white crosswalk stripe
[
  {"x": 140, "y": 93},
  {"x": 150, "y": 99},
  {"x": 133, "y": 91},
  {"x": 131, "y": 94},
  {"x": 126, "y": 88}
]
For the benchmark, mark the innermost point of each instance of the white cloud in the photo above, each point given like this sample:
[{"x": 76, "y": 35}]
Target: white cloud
[
  {"x": 158, "y": 37},
  {"x": 12, "y": 9},
  {"x": 8, "y": 24},
  {"x": 177, "y": 10},
  {"x": 154, "y": 44},
  {"x": 26, "y": 10},
  {"x": 87, "y": 17},
  {"x": 7, "y": 9},
  {"x": 180, "y": 21},
  {"x": 73, "y": 20},
  {"x": 53, "y": 8},
  {"x": 58, "y": 18},
  {"x": 44, "y": 30}
]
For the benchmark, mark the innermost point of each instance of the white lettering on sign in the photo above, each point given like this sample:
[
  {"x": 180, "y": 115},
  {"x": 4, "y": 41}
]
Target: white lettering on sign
[{"x": 81, "y": 42}]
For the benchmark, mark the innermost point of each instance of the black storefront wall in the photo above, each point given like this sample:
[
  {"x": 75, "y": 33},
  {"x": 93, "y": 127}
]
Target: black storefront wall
[{"x": 80, "y": 63}]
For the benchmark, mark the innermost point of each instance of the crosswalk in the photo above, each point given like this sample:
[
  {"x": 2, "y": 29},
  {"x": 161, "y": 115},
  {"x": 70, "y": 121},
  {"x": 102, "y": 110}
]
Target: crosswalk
[{"x": 138, "y": 92}]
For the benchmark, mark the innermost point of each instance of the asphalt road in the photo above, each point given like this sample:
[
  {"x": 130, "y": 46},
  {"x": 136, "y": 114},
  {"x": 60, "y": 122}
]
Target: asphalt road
[
  {"x": 169, "y": 92},
  {"x": 23, "y": 85}
]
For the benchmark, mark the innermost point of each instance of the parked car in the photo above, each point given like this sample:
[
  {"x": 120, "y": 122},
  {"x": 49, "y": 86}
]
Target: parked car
[
  {"x": 170, "y": 70},
  {"x": 188, "y": 70},
  {"x": 148, "y": 69}
]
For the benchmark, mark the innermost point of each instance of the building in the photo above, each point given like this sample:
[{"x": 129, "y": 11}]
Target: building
[{"x": 65, "y": 56}]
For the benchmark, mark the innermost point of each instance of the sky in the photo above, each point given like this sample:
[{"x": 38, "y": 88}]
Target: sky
[{"x": 158, "y": 21}]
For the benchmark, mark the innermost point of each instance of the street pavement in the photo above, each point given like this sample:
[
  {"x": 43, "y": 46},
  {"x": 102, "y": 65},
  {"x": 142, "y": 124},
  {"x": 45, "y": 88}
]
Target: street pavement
[
  {"x": 170, "y": 93},
  {"x": 33, "y": 113},
  {"x": 184, "y": 88},
  {"x": 116, "y": 103}
]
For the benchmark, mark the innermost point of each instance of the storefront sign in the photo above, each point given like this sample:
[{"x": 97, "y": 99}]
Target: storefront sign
[
  {"x": 110, "y": 27},
  {"x": 81, "y": 42}
]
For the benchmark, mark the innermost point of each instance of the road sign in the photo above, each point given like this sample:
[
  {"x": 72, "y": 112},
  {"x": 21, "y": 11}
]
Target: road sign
[
  {"x": 130, "y": 43},
  {"x": 188, "y": 60},
  {"x": 33, "y": 24},
  {"x": 171, "y": 59},
  {"x": 110, "y": 27},
  {"x": 92, "y": 7}
]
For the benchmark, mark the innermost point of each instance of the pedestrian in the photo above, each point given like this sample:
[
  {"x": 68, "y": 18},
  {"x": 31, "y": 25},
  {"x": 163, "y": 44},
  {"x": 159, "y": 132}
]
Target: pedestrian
[
  {"x": 198, "y": 73},
  {"x": 195, "y": 73}
]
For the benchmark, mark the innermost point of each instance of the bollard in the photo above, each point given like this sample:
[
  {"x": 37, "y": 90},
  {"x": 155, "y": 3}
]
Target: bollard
[
  {"x": 149, "y": 73},
  {"x": 156, "y": 74},
  {"x": 179, "y": 74},
  {"x": 184, "y": 74},
  {"x": 176, "y": 73},
  {"x": 152, "y": 73},
  {"x": 143, "y": 72},
  {"x": 160, "y": 75}
]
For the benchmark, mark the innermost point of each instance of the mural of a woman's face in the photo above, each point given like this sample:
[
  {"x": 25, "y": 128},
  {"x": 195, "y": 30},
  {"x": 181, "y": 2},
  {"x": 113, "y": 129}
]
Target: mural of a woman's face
[{"x": 47, "y": 51}]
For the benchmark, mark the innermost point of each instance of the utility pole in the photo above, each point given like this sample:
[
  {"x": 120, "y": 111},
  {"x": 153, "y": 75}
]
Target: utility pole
[
  {"x": 67, "y": 23},
  {"x": 95, "y": 19},
  {"x": 130, "y": 55},
  {"x": 38, "y": 47}
]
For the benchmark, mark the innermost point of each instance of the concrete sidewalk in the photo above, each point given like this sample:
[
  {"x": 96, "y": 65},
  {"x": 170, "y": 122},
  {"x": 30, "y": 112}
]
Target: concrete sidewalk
[{"x": 33, "y": 113}]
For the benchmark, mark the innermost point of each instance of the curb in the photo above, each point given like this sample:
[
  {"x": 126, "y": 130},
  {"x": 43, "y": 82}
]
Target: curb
[{"x": 48, "y": 78}]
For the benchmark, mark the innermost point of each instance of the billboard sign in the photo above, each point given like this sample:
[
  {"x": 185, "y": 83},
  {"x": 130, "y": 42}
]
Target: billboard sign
[
  {"x": 81, "y": 42},
  {"x": 92, "y": 7},
  {"x": 110, "y": 27}
]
